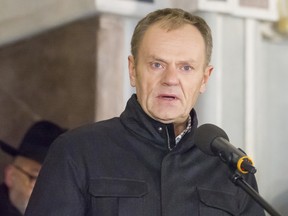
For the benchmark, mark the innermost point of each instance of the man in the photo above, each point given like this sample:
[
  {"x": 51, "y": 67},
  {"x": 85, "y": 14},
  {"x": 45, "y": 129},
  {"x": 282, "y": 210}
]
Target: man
[
  {"x": 21, "y": 174},
  {"x": 145, "y": 162}
]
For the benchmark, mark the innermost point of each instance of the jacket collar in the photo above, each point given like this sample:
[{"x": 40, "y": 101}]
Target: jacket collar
[{"x": 137, "y": 121}]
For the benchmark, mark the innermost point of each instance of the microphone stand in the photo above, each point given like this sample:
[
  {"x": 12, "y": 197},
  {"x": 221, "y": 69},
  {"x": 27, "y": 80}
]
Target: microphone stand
[{"x": 240, "y": 181}]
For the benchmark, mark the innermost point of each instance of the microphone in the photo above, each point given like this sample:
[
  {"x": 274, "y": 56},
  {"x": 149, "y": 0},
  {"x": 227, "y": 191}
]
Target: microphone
[{"x": 212, "y": 140}]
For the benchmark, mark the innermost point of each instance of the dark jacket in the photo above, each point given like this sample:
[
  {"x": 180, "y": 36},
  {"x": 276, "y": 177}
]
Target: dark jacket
[
  {"x": 6, "y": 207},
  {"x": 122, "y": 167}
]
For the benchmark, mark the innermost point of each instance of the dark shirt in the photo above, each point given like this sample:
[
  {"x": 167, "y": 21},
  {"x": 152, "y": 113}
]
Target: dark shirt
[{"x": 6, "y": 207}]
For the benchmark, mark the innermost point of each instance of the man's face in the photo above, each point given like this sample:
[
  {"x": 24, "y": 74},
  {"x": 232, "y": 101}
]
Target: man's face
[
  {"x": 170, "y": 72},
  {"x": 20, "y": 179}
]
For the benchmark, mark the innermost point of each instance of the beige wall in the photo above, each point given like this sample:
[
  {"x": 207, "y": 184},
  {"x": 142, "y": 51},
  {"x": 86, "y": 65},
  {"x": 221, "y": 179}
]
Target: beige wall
[{"x": 48, "y": 76}]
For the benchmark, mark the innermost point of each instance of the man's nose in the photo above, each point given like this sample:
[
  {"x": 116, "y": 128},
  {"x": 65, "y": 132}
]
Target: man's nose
[{"x": 170, "y": 76}]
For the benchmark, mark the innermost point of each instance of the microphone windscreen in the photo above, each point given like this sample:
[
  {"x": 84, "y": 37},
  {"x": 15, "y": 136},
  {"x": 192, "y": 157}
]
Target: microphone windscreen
[{"x": 206, "y": 134}]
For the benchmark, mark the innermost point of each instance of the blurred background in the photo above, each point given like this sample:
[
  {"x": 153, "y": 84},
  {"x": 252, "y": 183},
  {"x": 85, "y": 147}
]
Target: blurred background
[{"x": 66, "y": 61}]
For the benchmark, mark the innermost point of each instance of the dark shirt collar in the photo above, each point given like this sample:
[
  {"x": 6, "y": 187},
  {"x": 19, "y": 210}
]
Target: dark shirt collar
[{"x": 136, "y": 120}]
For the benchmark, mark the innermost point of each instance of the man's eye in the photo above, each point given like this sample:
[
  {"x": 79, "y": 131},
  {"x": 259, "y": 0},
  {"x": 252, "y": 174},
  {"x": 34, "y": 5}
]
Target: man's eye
[
  {"x": 156, "y": 65},
  {"x": 187, "y": 68}
]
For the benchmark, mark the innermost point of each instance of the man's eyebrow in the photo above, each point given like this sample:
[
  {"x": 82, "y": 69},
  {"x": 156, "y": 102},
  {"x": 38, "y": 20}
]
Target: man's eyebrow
[
  {"x": 189, "y": 61},
  {"x": 152, "y": 57},
  {"x": 185, "y": 61}
]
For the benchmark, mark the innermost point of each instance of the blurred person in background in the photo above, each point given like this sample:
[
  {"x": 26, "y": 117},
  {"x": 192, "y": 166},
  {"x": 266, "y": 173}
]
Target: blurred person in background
[{"x": 20, "y": 175}]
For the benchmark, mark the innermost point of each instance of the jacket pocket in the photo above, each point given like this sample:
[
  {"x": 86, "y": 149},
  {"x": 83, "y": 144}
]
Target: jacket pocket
[
  {"x": 114, "y": 187},
  {"x": 116, "y": 197},
  {"x": 217, "y": 203}
]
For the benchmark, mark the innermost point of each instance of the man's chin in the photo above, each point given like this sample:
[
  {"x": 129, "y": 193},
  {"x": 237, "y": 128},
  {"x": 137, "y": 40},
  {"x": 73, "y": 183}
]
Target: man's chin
[
  {"x": 166, "y": 114},
  {"x": 165, "y": 119}
]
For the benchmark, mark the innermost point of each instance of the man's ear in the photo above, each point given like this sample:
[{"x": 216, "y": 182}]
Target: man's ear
[
  {"x": 132, "y": 70},
  {"x": 207, "y": 73},
  {"x": 9, "y": 175}
]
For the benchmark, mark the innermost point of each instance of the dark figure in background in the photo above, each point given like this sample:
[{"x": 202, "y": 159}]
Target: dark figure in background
[
  {"x": 21, "y": 174},
  {"x": 145, "y": 162}
]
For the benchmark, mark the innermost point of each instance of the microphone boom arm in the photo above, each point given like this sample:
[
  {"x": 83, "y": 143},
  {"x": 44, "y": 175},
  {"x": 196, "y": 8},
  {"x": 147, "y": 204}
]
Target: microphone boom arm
[{"x": 239, "y": 181}]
